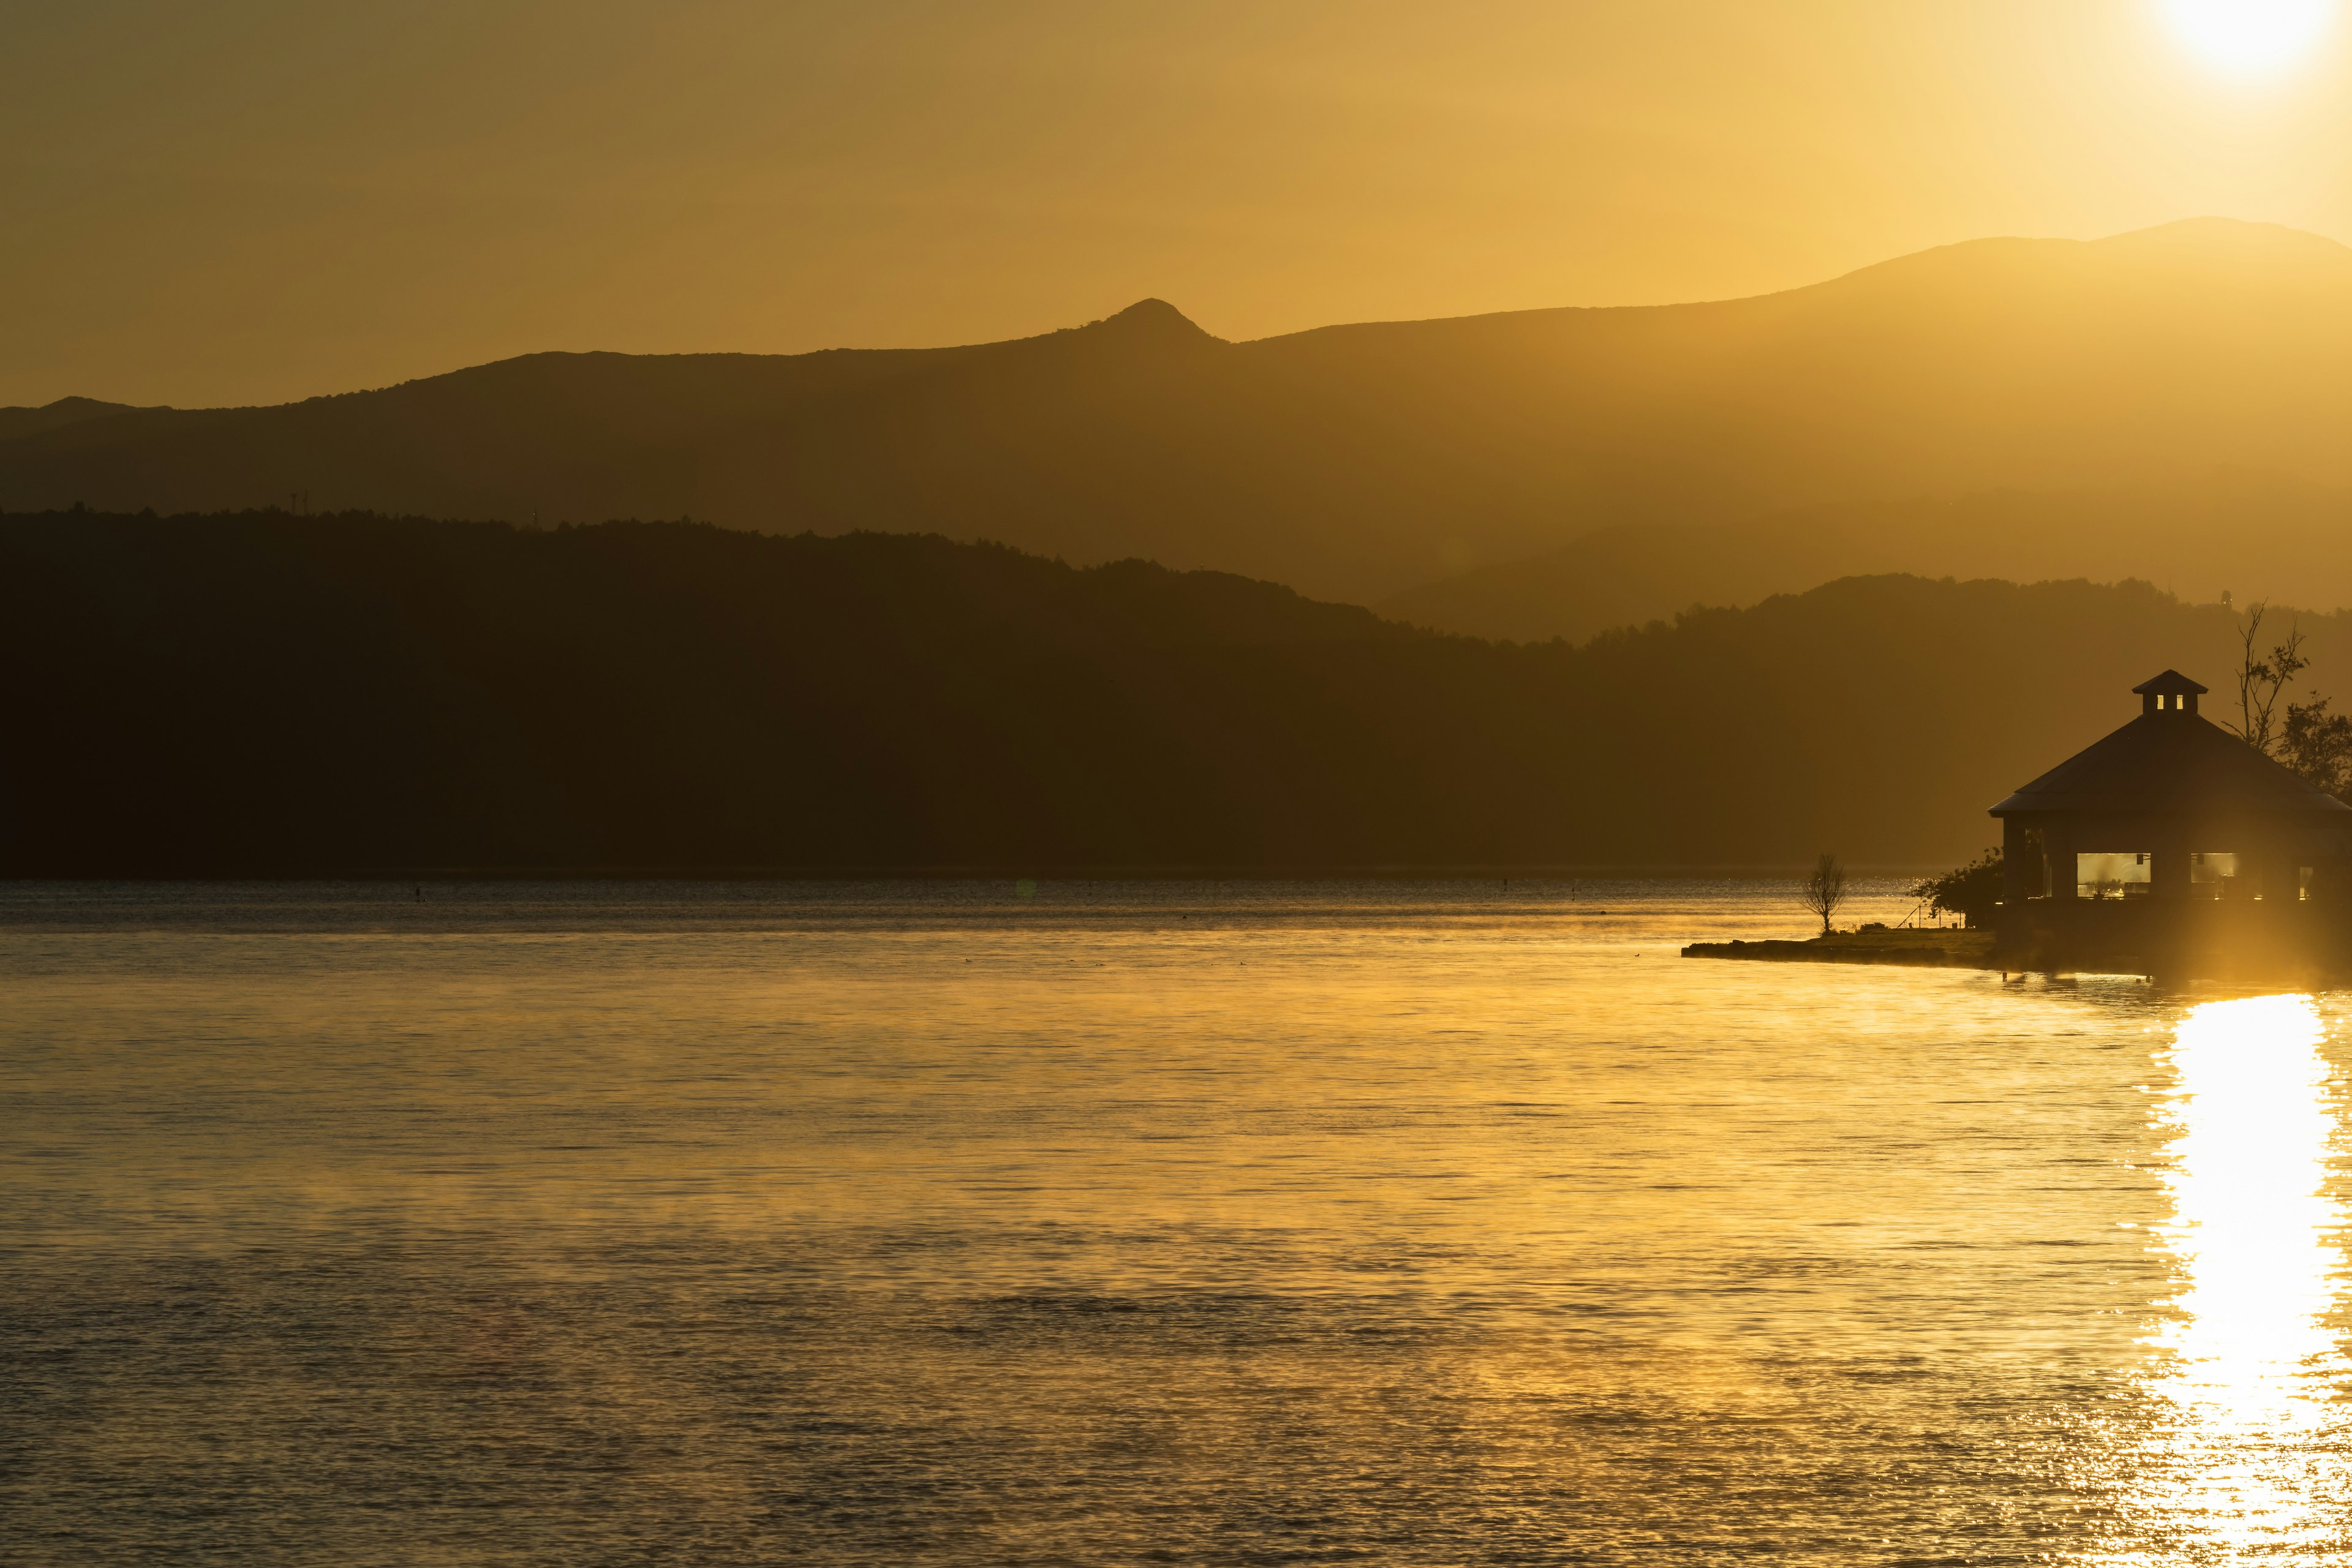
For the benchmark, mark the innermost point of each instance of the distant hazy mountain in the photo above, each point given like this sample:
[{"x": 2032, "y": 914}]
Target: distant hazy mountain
[
  {"x": 2249, "y": 535},
  {"x": 65, "y": 411},
  {"x": 1627, "y": 575},
  {"x": 1353, "y": 461},
  {"x": 261, "y": 695}
]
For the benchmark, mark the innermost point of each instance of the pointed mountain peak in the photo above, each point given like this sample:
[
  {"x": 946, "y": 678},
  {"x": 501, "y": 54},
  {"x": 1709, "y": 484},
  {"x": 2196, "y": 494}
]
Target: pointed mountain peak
[{"x": 1154, "y": 321}]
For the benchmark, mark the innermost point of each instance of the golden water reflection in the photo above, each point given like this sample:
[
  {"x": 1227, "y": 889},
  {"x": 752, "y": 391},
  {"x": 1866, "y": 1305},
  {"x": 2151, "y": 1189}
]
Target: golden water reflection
[{"x": 2239, "y": 1465}]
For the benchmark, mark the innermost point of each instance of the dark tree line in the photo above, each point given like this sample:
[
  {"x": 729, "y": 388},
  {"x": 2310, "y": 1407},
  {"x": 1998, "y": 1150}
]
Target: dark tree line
[{"x": 261, "y": 694}]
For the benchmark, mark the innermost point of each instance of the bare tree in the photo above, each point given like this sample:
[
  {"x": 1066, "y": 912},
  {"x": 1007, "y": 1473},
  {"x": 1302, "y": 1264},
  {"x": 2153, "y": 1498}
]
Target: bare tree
[
  {"x": 2261, "y": 680},
  {"x": 1823, "y": 891}
]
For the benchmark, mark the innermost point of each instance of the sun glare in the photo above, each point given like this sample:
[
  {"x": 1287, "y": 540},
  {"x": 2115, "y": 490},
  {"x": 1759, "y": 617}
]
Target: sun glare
[{"x": 2249, "y": 36}]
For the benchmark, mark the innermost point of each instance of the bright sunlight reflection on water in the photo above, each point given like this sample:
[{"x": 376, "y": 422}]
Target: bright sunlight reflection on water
[{"x": 2252, "y": 1360}]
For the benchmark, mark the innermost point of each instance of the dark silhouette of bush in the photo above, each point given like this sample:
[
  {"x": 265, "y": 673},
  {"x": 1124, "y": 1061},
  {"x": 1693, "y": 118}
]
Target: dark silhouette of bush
[{"x": 1971, "y": 891}]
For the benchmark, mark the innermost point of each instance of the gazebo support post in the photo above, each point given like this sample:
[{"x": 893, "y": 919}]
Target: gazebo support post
[
  {"x": 2058, "y": 853},
  {"x": 2018, "y": 868},
  {"x": 2167, "y": 865}
]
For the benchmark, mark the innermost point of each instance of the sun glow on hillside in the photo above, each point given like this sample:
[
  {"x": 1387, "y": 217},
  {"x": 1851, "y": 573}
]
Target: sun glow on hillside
[{"x": 2251, "y": 36}]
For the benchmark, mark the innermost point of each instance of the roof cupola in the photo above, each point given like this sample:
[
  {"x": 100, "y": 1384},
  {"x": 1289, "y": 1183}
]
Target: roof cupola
[{"x": 2171, "y": 692}]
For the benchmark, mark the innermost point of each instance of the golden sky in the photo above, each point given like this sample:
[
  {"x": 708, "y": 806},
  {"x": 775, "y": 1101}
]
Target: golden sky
[{"x": 255, "y": 200}]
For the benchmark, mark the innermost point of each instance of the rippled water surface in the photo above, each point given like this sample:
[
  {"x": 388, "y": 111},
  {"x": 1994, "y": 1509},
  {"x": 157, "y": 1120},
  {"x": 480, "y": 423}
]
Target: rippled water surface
[{"x": 1219, "y": 1223}]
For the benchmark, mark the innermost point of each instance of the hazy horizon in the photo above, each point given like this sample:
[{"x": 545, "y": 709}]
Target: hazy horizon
[{"x": 262, "y": 203}]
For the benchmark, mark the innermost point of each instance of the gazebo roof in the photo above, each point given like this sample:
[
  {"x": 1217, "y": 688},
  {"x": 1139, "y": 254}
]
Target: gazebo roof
[{"x": 2173, "y": 762}]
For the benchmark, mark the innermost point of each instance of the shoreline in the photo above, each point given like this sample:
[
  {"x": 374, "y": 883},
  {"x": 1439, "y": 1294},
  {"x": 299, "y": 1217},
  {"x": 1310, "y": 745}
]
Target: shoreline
[{"x": 1929, "y": 948}]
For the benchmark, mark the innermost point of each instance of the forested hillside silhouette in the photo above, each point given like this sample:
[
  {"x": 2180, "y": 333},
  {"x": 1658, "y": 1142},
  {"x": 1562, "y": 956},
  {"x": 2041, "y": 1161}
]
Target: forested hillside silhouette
[
  {"x": 1359, "y": 461},
  {"x": 262, "y": 694}
]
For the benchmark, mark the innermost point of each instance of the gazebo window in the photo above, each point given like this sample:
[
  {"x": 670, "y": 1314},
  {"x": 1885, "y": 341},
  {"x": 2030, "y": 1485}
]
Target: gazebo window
[
  {"x": 2214, "y": 872},
  {"x": 2111, "y": 876}
]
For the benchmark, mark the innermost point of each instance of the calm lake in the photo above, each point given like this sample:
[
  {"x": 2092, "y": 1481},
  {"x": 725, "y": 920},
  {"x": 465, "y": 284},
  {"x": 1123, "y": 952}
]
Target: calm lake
[{"x": 1141, "y": 1223}]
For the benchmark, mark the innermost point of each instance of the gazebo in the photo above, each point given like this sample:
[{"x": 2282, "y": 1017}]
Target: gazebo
[{"x": 2169, "y": 810}]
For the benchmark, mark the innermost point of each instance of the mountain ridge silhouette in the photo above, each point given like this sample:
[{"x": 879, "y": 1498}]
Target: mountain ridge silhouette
[{"x": 1352, "y": 461}]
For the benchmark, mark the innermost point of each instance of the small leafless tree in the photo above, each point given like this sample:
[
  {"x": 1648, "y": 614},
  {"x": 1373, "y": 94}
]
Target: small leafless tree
[
  {"x": 1823, "y": 891},
  {"x": 2261, "y": 680}
]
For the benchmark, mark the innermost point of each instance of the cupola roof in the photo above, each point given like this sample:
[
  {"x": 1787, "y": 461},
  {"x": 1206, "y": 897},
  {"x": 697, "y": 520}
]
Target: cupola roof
[{"x": 2173, "y": 762}]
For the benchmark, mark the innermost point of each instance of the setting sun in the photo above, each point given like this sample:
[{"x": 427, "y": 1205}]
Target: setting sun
[{"x": 2250, "y": 35}]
